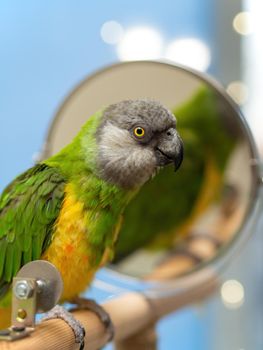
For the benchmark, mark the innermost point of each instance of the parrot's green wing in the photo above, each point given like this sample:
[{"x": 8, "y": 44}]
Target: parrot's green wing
[{"x": 29, "y": 207}]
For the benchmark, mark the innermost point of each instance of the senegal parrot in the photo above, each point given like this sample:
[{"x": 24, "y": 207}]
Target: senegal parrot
[
  {"x": 67, "y": 209},
  {"x": 177, "y": 201}
]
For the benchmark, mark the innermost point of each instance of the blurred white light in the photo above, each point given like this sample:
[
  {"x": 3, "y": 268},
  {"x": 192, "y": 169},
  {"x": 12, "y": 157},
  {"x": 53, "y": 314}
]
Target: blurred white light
[
  {"x": 243, "y": 23},
  {"x": 189, "y": 52},
  {"x": 111, "y": 32},
  {"x": 238, "y": 91},
  {"x": 232, "y": 294},
  {"x": 140, "y": 43}
]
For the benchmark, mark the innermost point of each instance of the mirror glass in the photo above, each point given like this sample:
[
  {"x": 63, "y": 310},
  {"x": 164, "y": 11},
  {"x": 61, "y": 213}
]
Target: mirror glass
[{"x": 178, "y": 221}]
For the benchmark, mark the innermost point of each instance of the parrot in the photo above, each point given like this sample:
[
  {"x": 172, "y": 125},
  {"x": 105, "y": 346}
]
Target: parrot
[
  {"x": 177, "y": 201},
  {"x": 68, "y": 208}
]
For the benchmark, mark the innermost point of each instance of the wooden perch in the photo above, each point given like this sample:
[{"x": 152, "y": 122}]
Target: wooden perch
[{"x": 130, "y": 313}]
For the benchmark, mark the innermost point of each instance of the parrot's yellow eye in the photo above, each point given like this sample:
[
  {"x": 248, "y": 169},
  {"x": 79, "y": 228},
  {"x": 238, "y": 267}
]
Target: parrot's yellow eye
[{"x": 139, "y": 132}]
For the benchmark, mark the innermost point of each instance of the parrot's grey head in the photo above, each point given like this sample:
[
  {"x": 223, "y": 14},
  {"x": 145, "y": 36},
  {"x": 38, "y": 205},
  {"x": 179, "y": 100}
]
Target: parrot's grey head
[{"x": 135, "y": 138}]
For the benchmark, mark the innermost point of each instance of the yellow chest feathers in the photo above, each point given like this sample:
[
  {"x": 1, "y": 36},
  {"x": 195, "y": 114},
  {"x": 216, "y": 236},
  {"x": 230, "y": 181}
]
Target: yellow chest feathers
[{"x": 69, "y": 249}]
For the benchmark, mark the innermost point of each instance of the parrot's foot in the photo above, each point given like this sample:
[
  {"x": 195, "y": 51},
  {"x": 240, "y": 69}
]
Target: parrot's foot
[
  {"x": 59, "y": 312},
  {"x": 89, "y": 304}
]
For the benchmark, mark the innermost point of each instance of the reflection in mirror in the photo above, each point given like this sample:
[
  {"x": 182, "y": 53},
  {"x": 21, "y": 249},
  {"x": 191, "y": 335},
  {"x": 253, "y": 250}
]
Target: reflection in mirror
[{"x": 181, "y": 220}]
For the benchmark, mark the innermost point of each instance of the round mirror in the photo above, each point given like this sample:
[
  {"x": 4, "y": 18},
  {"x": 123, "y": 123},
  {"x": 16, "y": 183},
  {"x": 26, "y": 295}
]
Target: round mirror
[{"x": 179, "y": 222}]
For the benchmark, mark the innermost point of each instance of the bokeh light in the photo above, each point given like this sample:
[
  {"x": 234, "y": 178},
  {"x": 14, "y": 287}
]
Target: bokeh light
[
  {"x": 238, "y": 91},
  {"x": 111, "y": 32},
  {"x": 140, "y": 43},
  {"x": 190, "y": 52},
  {"x": 243, "y": 23},
  {"x": 232, "y": 294}
]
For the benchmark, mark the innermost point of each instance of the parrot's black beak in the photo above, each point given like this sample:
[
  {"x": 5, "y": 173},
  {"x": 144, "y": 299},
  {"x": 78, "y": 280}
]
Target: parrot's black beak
[{"x": 170, "y": 149}]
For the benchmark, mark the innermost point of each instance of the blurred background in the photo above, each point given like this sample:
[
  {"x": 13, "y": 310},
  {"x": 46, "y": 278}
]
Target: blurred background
[{"x": 48, "y": 47}]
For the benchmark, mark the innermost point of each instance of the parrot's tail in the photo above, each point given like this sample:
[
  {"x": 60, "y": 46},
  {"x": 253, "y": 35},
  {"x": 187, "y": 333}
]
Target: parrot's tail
[{"x": 5, "y": 318}]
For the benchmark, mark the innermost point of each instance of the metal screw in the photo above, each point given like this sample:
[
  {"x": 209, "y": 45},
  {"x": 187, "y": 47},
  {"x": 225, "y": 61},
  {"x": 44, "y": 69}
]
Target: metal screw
[
  {"x": 23, "y": 290},
  {"x": 21, "y": 315}
]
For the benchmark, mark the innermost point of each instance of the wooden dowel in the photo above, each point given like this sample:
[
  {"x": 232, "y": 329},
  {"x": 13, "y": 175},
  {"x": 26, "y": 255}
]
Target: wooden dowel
[{"x": 130, "y": 314}]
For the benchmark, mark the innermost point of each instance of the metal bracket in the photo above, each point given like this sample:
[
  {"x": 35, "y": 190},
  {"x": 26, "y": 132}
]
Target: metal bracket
[
  {"x": 24, "y": 302},
  {"x": 36, "y": 288}
]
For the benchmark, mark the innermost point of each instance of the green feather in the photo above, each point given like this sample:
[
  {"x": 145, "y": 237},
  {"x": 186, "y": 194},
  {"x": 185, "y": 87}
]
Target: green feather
[
  {"x": 3, "y": 246},
  {"x": 9, "y": 262},
  {"x": 17, "y": 258},
  {"x": 27, "y": 255}
]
